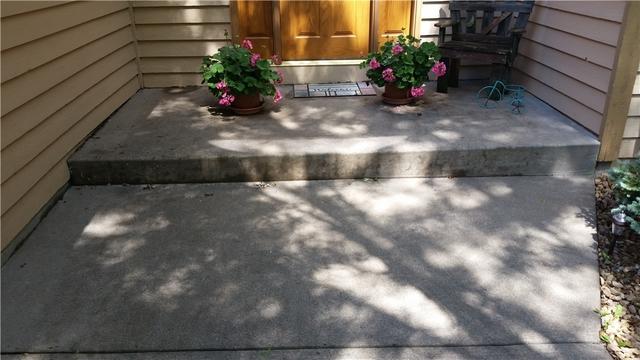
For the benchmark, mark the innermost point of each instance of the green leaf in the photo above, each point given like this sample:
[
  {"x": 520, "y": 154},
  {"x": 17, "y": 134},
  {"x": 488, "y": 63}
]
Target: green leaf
[
  {"x": 217, "y": 68},
  {"x": 625, "y": 181},
  {"x": 623, "y": 343},
  {"x": 618, "y": 311}
]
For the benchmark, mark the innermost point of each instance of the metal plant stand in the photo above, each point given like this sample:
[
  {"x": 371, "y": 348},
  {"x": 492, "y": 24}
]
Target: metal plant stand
[{"x": 489, "y": 96}]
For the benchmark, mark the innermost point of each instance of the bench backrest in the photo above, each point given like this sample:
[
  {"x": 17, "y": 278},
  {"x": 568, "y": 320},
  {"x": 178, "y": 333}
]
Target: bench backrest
[{"x": 488, "y": 21}]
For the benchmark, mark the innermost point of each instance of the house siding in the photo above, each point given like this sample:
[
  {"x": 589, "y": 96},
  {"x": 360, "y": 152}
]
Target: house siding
[
  {"x": 65, "y": 67},
  {"x": 567, "y": 55},
  {"x": 174, "y": 36},
  {"x": 431, "y": 12},
  {"x": 630, "y": 146}
]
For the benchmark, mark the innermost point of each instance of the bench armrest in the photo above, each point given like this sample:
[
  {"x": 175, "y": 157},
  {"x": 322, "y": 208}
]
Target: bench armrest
[{"x": 445, "y": 23}]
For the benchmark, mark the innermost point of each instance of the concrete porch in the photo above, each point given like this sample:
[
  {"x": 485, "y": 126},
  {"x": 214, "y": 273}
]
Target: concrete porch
[
  {"x": 413, "y": 268},
  {"x": 174, "y": 136}
]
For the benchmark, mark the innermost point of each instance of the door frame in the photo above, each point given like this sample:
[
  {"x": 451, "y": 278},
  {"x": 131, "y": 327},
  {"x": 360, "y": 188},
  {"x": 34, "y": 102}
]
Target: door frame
[
  {"x": 277, "y": 33},
  {"x": 276, "y": 28}
]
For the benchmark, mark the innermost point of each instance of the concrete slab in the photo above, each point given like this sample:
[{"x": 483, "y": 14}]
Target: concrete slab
[
  {"x": 508, "y": 352},
  {"x": 308, "y": 265},
  {"x": 174, "y": 136}
]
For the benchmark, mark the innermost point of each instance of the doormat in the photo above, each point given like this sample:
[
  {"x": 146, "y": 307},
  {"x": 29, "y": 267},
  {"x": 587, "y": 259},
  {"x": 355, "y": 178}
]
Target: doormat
[{"x": 360, "y": 88}]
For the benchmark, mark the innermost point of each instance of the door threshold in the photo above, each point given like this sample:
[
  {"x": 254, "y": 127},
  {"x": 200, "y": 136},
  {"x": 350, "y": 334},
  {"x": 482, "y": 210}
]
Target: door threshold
[
  {"x": 290, "y": 63},
  {"x": 321, "y": 71}
]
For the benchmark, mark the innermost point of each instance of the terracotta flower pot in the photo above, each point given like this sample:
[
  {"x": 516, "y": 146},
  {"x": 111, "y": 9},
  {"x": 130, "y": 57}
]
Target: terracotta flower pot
[
  {"x": 247, "y": 104},
  {"x": 393, "y": 95}
]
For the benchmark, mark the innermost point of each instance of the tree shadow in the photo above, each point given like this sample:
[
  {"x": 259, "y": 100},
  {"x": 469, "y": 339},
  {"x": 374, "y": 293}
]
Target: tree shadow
[
  {"x": 175, "y": 135},
  {"x": 327, "y": 265}
]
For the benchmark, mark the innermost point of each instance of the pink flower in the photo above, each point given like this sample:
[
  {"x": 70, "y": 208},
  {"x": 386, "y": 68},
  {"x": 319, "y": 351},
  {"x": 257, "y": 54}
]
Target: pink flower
[
  {"x": 397, "y": 49},
  {"x": 277, "y": 97},
  {"x": 254, "y": 59},
  {"x": 374, "y": 64},
  {"x": 276, "y": 59},
  {"x": 417, "y": 91},
  {"x": 439, "y": 68},
  {"x": 247, "y": 44},
  {"x": 387, "y": 75},
  {"x": 226, "y": 99},
  {"x": 281, "y": 77},
  {"x": 221, "y": 85}
]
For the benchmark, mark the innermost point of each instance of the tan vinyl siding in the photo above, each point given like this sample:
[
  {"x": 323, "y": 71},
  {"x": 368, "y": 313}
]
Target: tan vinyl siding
[
  {"x": 174, "y": 36},
  {"x": 19, "y": 60},
  {"x": 432, "y": 12},
  {"x": 65, "y": 67},
  {"x": 567, "y": 55},
  {"x": 10, "y": 8},
  {"x": 630, "y": 146}
]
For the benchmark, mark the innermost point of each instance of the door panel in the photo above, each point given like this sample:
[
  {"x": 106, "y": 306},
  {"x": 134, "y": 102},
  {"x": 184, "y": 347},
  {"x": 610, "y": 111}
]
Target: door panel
[
  {"x": 335, "y": 29},
  {"x": 393, "y": 16},
  {"x": 253, "y": 20},
  {"x": 311, "y": 30}
]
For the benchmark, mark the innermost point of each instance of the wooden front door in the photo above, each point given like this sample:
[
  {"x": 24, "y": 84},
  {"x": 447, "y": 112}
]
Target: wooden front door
[
  {"x": 335, "y": 29},
  {"x": 319, "y": 30}
]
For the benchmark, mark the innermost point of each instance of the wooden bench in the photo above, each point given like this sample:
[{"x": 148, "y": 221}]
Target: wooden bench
[{"x": 487, "y": 31}]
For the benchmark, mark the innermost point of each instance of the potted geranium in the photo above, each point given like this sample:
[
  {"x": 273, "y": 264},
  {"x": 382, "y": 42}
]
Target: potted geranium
[
  {"x": 402, "y": 67},
  {"x": 238, "y": 77}
]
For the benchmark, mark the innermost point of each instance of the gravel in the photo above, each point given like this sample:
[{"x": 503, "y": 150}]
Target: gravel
[{"x": 619, "y": 281}]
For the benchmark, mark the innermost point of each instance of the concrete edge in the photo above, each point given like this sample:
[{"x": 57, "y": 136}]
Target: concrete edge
[
  {"x": 524, "y": 161},
  {"x": 585, "y": 351}
]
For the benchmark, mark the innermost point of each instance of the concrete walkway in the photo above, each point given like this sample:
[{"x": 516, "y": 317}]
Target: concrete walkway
[{"x": 406, "y": 268}]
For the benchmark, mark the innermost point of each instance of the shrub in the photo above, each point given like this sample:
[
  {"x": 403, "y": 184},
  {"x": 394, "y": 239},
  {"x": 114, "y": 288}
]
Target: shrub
[
  {"x": 235, "y": 70},
  {"x": 405, "y": 62},
  {"x": 625, "y": 179}
]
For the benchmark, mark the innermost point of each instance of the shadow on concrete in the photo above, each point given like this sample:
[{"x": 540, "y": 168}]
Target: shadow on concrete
[
  {"x": 383, "y": 264},
  {"x": 175, "y": 136}
]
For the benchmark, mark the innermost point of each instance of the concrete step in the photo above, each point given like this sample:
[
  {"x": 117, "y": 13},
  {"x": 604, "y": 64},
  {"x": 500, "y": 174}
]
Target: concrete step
[
  {"x": 174, "y": 136},
  {"x": 310, "y": 265}
]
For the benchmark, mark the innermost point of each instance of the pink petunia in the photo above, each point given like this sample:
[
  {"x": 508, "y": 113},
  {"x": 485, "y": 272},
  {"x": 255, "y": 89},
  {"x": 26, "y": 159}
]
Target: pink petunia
[
  {"x": 254, "y": 59},
  {"x": 221, "y": 85},
  {"x": 439, "y": 68},
  {"x": 226, "y": 99},
  {"x": 374, "y": 64},
  {"x": 417, "y": 91},
  {"x": 276, "y": 59},
  {"x": 247, "y": 44},
  {"x": 277, "y": 96},
  {"x": 397, "y": 49},
  {"x": 387, "y": 75}
]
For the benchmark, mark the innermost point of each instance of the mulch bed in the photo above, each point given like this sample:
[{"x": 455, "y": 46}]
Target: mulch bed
[{"x": 619, "y": 281}]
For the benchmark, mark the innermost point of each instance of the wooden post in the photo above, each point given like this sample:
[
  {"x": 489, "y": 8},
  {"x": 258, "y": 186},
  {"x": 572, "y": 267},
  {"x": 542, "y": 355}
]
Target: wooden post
[
  {"x": 416, "y": 18},
  {"x": 373, "y": 25},
  {"x": 277, "y": 39},
  {"x": 621, "y": 84}
]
